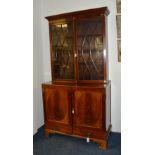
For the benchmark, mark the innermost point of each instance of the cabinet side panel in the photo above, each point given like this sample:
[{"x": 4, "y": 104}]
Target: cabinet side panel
[
  {"x": 108, "y": 106},
  {"x": 106, "y": 48}
]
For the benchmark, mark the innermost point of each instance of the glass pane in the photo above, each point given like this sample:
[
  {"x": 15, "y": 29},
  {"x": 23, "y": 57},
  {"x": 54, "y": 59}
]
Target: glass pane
[
  {"x": 62, "y": 49},
  {"x": 90, "y": 49}
]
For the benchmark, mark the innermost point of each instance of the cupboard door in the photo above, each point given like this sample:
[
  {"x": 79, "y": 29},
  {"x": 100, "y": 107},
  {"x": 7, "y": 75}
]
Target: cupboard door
[
  {"x": 90, "y": 48},
  {"x": 62, "y": 54},
  {"x": 88, "y": 112},
  {"x": 57, "y": 109}
]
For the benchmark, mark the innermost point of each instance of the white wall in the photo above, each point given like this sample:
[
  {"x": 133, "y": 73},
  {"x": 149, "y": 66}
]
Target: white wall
[
  {"x": 37, "y": 67},
  {"x": 51, "y": 7}
]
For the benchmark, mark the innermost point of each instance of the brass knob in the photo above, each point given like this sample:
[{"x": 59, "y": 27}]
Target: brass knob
[
  {"x": 72, "y": 111},
  {"x": 75, "y": 55}
]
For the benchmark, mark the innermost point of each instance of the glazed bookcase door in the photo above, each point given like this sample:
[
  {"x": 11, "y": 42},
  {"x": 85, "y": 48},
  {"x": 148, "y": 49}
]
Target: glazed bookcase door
[
  {"x": 90, "y": 47},
  {"x": 62, "y": 55}
]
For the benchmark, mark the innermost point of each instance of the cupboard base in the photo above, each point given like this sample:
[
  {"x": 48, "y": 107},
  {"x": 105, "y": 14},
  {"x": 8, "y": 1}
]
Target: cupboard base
[{"x": 103, "y": 143}]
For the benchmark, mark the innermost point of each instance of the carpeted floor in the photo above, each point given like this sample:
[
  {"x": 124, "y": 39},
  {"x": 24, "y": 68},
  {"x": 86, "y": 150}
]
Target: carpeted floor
[{"x": 64, "y": 145}]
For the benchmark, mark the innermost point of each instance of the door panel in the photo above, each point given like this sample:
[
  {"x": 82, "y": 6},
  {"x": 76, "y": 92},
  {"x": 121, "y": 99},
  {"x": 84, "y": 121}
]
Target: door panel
[
  {"x": 62, "y": 50},
  {"x": 58, "y": 109},
  {"x": 90, "y": 45},
  {"x": 88, "y": 108}
]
